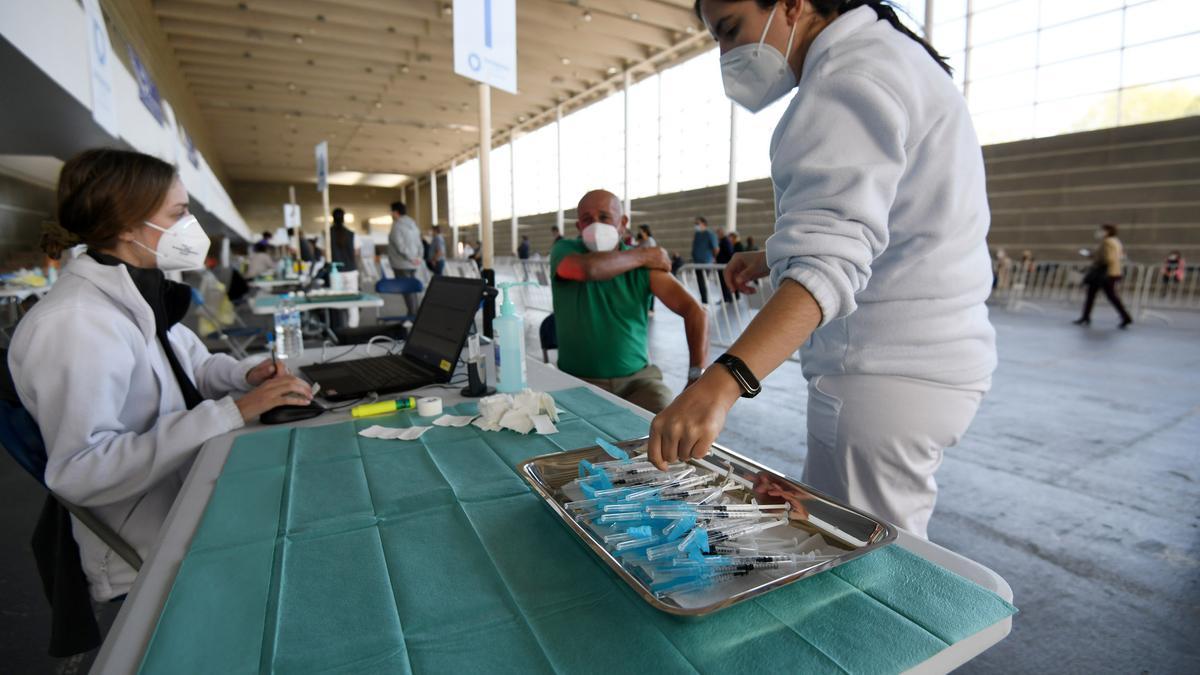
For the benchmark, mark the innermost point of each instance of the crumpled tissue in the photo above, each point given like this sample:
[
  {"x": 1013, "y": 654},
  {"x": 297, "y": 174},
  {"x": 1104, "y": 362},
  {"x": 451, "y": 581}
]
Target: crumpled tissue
[{"x": 522, "y": 413}]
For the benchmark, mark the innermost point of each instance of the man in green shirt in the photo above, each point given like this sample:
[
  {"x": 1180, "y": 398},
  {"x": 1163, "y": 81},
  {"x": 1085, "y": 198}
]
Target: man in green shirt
[{"x": 602, "y": 291}]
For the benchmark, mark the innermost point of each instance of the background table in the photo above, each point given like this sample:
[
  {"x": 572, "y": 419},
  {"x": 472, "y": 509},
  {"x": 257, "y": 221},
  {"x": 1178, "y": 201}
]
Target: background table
[
  {"x": 130, "y": 634},
  {"x": 267, "y": 304},
  {"x": 276, "y": 284}
]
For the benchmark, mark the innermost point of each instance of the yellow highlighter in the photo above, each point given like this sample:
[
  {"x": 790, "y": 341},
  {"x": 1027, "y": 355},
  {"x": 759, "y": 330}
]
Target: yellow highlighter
[{"x": 383, "y": 407}]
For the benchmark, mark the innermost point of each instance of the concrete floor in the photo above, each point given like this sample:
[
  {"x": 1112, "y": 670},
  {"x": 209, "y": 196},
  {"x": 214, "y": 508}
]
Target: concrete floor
[{"x": 1079, "y": 483}]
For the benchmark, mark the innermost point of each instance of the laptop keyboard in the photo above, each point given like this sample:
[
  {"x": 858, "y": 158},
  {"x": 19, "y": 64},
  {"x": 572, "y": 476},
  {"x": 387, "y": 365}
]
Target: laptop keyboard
[{"x": 382, "y": 371}]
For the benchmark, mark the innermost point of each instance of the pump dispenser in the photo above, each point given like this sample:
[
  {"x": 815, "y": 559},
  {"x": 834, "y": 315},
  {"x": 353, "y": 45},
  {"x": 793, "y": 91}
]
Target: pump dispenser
[
  {"x": 335, "y": 276},
  {"x": 510, "y": 333}
]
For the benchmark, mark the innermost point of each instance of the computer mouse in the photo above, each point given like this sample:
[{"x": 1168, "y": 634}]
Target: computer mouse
[{"x": 291, "y": 413}]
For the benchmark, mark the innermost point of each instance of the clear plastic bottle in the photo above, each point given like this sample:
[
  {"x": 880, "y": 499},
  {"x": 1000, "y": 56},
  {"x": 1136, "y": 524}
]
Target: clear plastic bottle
[
  {"x": 289, "y": 338},
  {"x": 510, "y": 336}
]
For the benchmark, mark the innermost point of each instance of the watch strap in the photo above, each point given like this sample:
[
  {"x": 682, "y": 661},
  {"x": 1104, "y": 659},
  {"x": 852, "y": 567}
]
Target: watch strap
[{"x": 742, "y": 374}]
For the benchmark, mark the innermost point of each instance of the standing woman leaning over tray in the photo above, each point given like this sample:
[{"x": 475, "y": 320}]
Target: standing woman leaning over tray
[
  {"x": 878, "y": 255},
  {"x": 125, "y": 395}
]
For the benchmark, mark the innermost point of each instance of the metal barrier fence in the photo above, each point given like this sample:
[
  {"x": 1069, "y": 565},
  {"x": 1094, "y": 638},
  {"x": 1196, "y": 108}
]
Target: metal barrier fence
[
  {"x": 462, "y": 268},
  {"x": 726, "y": 319},
  {"x": 1144, "y": 288},
  {"x": 534, "y": 297}
]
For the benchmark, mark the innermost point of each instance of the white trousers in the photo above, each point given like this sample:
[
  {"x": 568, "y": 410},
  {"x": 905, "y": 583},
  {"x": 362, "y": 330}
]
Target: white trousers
[{"x": 876, "y": 441}]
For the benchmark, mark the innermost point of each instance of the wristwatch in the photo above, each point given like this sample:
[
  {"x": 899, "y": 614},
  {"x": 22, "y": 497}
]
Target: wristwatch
[
  {"x": 741, "y": 374},
  {"x": 694, "y": 373}
]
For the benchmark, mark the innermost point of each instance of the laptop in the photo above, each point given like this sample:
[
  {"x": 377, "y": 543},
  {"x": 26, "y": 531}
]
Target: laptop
[{"x": 429, "y": 354}]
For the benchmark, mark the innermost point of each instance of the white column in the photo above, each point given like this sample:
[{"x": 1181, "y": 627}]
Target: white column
[
  {"x": 328, "y": 225},
  {"x": 929, "y": 21},
  {"x": 451, "y": 214},
  {"x": 416, "y": 202},
  {"x": 485, "y": 187},
  {"x": 558, "y": 223},
  {"x": 731, "y": 191},
  {"x": 433, "y": 205},
  {"x": 628, "y": 200},
  {"x": 658, "y": 143},
  {"x": 967, "y": 52},
  {"x": 512, "y": 187},
  {"x": 294, "y": 242}
]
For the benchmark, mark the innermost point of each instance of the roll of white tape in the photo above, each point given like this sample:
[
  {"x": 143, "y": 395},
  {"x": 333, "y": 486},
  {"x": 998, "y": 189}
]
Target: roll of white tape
[{"x": 430, "y": 406}]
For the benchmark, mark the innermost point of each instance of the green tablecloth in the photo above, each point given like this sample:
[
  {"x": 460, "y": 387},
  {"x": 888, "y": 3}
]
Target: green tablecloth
[{"x": 321, "y": 550}]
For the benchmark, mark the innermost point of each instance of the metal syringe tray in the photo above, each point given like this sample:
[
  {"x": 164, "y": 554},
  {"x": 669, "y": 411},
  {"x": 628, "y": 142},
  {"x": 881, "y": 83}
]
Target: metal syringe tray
[{"x": 845, "y": 533}]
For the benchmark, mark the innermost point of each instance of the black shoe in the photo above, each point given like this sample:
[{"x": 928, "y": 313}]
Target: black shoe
[
  {"x": 1126, "y": 324},
  {"x": 1082, "y": 322}
]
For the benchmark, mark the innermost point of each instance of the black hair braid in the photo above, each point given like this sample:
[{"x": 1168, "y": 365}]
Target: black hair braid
[{"x": 886, "y": 11}]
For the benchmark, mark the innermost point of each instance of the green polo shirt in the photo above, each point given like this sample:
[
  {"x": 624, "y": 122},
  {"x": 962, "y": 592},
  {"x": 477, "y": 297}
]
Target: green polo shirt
[{"x": 601, "y": 324}]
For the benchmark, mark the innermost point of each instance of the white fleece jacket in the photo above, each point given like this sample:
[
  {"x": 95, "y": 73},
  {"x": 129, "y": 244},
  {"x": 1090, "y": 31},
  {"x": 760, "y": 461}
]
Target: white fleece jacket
[
  {"x": 882, "y": 210},
  {"x": 120, "y": 440}
]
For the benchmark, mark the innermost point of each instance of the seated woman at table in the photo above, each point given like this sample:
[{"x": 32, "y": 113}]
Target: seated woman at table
[{"x": 123, "y": 393}]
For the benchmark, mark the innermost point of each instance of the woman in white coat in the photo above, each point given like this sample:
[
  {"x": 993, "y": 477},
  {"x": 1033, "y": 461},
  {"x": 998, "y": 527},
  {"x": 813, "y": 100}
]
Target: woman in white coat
[
  {"x": 878, "y": 255},
  {"x": 123, "y": 394}
]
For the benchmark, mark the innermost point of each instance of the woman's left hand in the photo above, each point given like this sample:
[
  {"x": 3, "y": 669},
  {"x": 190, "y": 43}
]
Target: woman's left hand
[
  {"x": 263, "y": 372},
  {"x": 687, "y": 428}
]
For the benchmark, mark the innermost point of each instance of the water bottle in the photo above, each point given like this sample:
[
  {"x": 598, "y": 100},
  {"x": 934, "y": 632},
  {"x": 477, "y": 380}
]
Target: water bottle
[{"x": 289, "y": 339}]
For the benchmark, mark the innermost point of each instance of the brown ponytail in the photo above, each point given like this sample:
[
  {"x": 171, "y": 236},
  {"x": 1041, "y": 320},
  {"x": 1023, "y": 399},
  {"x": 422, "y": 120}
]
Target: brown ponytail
[{"x": 102, "y": 193}]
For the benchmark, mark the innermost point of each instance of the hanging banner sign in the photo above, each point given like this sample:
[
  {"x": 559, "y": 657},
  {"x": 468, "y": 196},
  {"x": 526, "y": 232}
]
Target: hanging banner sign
[
  {"x": 147, "y": 90},
  {"x": 100, "y": 57},
  {"x": 322, "y": 153},
  {"x": 485, "y": 42}
]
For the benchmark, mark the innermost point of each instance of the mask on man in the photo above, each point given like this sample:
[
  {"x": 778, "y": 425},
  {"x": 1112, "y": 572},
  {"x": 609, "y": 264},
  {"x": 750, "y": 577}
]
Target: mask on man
[
  {"x": 181, "y": 246},
  {"x": 600, "y": 237}
]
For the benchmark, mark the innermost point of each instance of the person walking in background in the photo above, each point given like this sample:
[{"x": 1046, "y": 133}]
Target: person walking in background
[
  {"x": 437, "y": 252},
  {"x": 724, "y": 255},
  {"x": 555, "y": 235},
  {"x": 645, "y": 238},
  {"x": 1001, "y": 270},
  {"x": 704, "y": 252},
  {"x": 404, "y": 251},
  {"x": 1105, "y": 274},
  {"x": 524, "y": 249},
  {"x": 738, "y": 246},
  {"x": 750, "y": 245},
  {"x": 343, "y": 242},
  {"x": 1172, "y": 271}
]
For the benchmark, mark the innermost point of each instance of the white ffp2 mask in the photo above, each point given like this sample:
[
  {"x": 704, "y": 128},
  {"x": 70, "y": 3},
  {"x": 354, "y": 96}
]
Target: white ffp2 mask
[
  {"x": 181, "y": 247},
  {"x": 757, "y": 75},
  {"x": 600, "y": 237}
]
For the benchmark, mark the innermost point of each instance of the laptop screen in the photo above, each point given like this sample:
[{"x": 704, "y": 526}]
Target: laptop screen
[{"x": 442, "y": 322}]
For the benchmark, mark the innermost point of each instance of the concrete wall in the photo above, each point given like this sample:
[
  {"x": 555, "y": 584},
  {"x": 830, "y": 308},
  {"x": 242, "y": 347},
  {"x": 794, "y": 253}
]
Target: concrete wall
[
  {"x": 1047, "y": 195},
  {"x": 23, "y": 208}
]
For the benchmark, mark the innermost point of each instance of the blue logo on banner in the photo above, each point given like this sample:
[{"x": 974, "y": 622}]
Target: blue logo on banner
[{"x": 147, "y": 90}]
